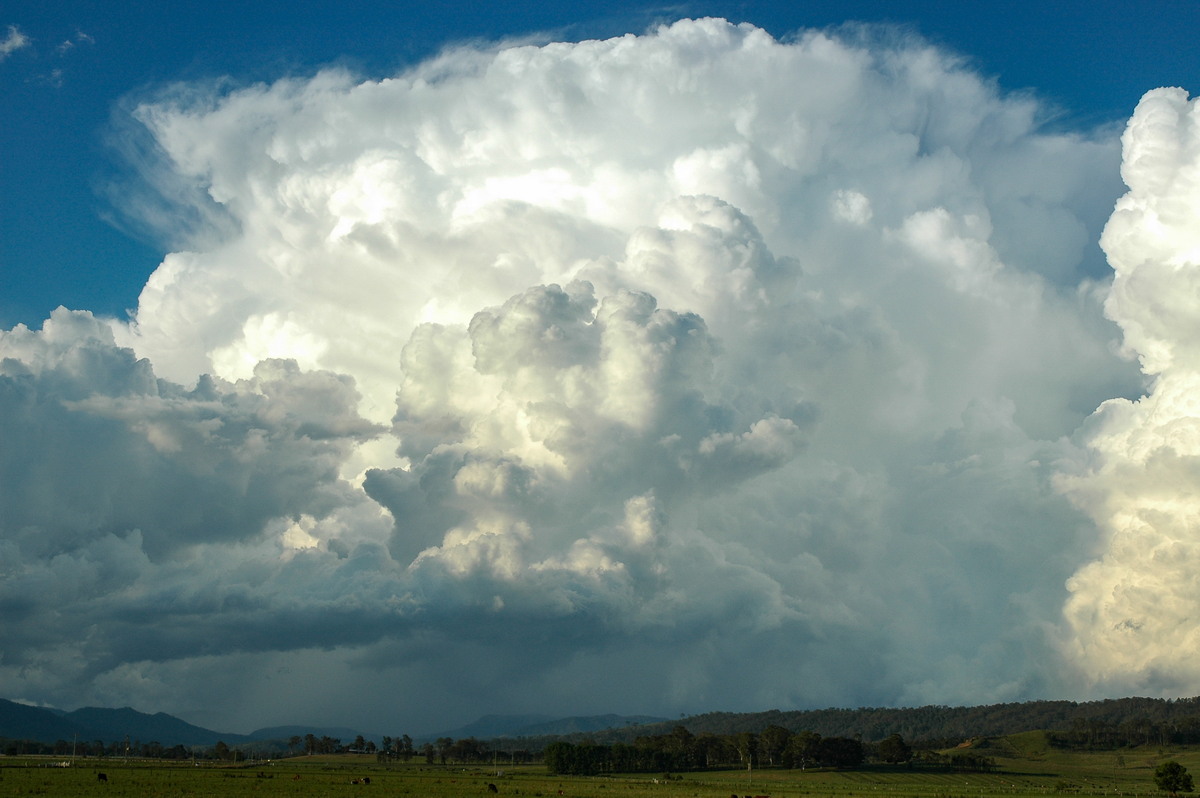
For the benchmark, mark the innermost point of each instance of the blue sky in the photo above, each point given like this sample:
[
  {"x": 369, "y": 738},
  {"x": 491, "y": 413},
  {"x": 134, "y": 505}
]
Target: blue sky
[
  {"x": 552, "y": 359},
  {"x": 62, "y": 242}
]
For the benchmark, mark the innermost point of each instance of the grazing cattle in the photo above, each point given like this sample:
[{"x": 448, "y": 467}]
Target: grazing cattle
[
  {"x": 102, "y": 777},
  {"x": 492, "y": 787},
  {"x": 366, "y": 779}
]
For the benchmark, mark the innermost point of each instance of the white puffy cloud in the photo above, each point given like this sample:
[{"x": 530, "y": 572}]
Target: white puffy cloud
[
  {"x": 534, "y": 364},
  {"x": 1132, "y": 609},
  {"x": 446, "y": 189}
]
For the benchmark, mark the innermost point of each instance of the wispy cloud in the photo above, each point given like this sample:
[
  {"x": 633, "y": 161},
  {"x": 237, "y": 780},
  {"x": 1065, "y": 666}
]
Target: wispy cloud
[
  {"x": 14, "y": 41},
  {"x": 69, "y": 44}
]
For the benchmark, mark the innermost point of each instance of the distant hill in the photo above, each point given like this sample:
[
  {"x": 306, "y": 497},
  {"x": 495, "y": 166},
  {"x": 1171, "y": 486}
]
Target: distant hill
[
  {"x": 1141, "y": 719},
  {"x": 497, "y": 726},
  {"x": 166, "y": 729},
  {"x": 490, "y": 726},
  {"x": 21, "y": 722},
  {"x": 587, "y": 724},
  {"x": 342, "y": 733},
  {"x": 48, "y": 725}
]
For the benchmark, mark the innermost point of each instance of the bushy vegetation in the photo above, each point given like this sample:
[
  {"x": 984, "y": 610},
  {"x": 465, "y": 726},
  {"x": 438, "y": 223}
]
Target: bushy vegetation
[{"x": 1173, "y": 778}]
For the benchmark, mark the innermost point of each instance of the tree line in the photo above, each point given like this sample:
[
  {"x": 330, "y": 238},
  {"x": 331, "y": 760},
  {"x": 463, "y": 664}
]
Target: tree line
[
  {"x": 94, "y": 748},
  {"x": 773, "y": 747},
  {"x": 442, "y": 751},
  {"x": 1098, "y": 733},
  {"x": 680, "y": 750}
]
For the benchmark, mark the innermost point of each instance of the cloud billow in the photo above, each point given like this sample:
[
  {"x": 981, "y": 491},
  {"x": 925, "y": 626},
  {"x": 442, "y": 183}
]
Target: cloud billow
[
  {"x": 1132, "y": 608},
  {"x": 741, "y": 367}
]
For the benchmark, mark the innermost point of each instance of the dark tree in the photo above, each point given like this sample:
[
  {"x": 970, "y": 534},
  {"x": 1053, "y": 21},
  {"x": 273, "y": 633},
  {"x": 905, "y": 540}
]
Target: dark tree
[
  {"x": 894, "y": 750},
  {"x": 1172, "y": 777},
  {"x": 771, "y": 743},
  {"x": 802, "y": 750},
  {"x": 840, "y": 752},
  {"x": 712, "y": 750},
  {"x": 468, "y": 750},
  {"x": 746, "y": 744}
]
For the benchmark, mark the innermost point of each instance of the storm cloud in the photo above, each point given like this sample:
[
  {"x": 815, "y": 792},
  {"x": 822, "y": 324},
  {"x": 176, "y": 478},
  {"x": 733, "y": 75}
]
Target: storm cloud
[{"x": 673, "y": 372}]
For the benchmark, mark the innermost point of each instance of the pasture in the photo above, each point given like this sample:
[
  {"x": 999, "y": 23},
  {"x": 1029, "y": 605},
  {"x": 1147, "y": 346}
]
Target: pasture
[{"x": 1026, "y": 767}]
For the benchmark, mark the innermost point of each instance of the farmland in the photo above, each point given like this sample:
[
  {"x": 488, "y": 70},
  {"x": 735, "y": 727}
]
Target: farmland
[{"x": 1025, "y": 766}]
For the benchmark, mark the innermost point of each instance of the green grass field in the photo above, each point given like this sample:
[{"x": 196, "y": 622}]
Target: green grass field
[{"x": 1027, "y": 766}]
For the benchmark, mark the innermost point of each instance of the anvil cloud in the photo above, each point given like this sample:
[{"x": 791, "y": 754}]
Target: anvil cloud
[{"x": 666, "y": 373}]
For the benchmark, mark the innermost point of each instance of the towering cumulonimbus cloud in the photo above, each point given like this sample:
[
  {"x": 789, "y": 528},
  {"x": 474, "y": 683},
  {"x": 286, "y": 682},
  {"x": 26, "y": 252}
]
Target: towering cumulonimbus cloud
[
  {"x": 741, "y": 367},
  {"x": 1132, "y": 610}
]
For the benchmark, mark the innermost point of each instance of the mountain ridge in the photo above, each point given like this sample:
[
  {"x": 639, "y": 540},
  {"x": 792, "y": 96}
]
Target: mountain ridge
[
  {"x": 42, "y": 724},
  {"x": 924, "y": 724}
]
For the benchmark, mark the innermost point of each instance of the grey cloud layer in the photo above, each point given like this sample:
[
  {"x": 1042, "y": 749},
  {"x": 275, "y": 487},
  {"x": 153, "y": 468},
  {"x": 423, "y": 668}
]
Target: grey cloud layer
[{"x": 537, "y": 363}]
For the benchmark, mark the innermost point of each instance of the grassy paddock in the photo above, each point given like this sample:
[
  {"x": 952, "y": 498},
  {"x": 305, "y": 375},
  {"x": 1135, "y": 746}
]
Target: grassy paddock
[{"x": 1026, "y": 767}]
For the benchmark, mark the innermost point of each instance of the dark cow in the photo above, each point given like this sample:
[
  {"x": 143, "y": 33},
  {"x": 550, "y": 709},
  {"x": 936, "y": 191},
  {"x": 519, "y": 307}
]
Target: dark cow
[
  {"x": 492, "y": 787},
  {"x": 102, "y": 777}
]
